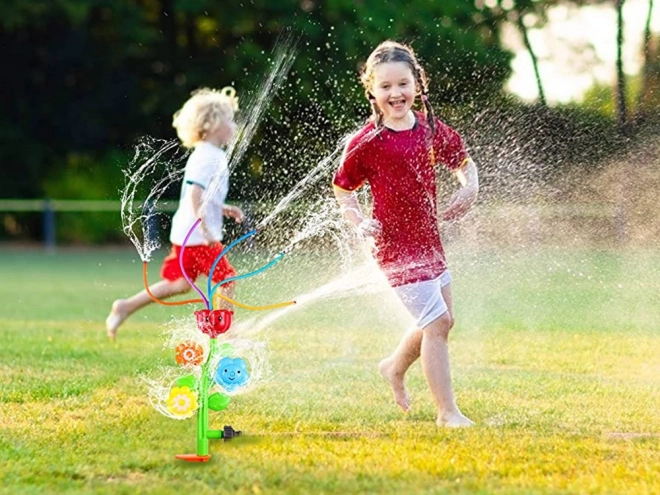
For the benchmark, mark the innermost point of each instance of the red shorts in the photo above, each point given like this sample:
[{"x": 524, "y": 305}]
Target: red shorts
[{"x": 197, "y": 260}]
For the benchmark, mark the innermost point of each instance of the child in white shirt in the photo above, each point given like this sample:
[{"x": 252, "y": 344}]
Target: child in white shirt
[{"x": 205, "y": 123}]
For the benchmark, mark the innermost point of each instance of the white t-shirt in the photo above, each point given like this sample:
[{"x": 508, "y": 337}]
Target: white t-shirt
[{"x": 206, "y": 167}]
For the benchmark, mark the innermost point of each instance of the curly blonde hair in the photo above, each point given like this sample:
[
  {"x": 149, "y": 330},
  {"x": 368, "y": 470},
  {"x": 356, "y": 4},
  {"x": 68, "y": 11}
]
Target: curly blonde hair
[{"x": 203, "y": 112}]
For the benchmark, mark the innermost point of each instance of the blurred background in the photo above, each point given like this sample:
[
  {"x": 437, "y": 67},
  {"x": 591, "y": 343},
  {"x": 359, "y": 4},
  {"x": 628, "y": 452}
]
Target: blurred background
[{"x": 557, "y": 101}]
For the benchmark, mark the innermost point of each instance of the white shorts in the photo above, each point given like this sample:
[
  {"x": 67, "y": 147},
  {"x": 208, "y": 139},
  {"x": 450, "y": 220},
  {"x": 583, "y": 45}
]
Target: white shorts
[{"x": 424, "y": 299}]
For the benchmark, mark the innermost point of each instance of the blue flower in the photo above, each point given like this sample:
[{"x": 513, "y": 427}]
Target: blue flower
[{"x": 231, "y": 373}]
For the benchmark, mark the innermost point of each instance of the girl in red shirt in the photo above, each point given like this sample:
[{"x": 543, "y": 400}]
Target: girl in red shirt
[{"x": 396, "y": 153}]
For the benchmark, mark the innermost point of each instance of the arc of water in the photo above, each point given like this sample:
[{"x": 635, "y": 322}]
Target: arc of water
[
  {"x": 284, "y": 55},
  {"x": 133, "y": 179},
  {"x": 316, "y": 173},
  {"x": 364, "y": 278}
]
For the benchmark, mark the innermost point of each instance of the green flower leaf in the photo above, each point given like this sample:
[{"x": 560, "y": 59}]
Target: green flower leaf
[
  {"x": 218, "y": 401},
  {"x": 187, "y": 381}
]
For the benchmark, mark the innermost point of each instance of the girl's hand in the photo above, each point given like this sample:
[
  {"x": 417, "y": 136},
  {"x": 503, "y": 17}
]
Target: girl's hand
[
  {"x": 370, "y": 227},
  {"x": 367, "y": 230},
  {"x": 234, "y": 212},
  {"x": 460, "y": 203}
]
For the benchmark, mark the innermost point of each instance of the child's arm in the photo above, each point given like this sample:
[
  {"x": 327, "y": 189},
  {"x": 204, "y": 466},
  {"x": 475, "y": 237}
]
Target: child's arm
[
  {"x": 350, "y": 207},
  {"x": 196, "y": 196},
  {"x": 233, "y": 212},
  {"x": 463, "y": 199}
]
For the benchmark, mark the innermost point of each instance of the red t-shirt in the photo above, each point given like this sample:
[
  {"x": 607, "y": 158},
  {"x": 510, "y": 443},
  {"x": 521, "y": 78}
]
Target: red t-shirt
[{"x": 399, "y": 167}]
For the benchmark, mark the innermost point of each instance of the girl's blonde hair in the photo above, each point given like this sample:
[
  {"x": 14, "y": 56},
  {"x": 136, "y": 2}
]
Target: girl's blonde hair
[
  {"x": 391, "y": 51},
  {"x": 203, "y": 112}
]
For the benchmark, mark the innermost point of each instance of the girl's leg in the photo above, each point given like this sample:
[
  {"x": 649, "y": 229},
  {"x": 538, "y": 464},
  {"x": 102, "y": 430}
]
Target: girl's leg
[
  {"x": 435, "y": 364},
  {"x": 431, "y": 343},
  {"x": 434, "y": 355},
  {"x": 123, "y": 308},
  {"x": 393, "y": 368}
]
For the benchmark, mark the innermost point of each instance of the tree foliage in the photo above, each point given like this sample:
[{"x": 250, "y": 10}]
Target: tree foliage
[{"x": 86, "y": 78}]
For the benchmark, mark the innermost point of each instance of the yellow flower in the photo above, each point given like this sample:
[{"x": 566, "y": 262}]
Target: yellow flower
[{"x": 182, "y": 402}]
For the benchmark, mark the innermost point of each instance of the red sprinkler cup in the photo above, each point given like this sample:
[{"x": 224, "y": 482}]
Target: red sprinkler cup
[{"x": 213, "y": 322}]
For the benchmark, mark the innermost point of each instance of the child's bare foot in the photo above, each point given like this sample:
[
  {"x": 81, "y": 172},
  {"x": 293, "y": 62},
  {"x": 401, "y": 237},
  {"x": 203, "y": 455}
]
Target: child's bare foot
[
  {"x": 395, "y": 380},
  {"x": 454, "y": 420},
  {"x": 116, "y": 317}
]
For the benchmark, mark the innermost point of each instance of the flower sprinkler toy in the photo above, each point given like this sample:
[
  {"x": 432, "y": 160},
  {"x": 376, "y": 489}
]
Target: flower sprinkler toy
[{"x": 209, "y": 376}]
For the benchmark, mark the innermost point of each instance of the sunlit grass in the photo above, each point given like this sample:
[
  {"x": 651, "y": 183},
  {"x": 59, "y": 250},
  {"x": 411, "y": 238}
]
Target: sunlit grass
[{"x": 556, "y": 356}]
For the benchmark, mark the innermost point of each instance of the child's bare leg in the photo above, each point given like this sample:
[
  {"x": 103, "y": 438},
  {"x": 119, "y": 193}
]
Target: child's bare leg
[
  {"x": 434, "y": 355},
  {"x": 393, "y": 368},
  {"x": 123, "y": 308},
  {"x": 227, "y": 291}
]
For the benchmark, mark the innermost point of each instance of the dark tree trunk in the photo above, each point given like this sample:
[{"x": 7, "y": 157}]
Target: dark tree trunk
[
  {"x": 621, "y": 110},
  {"x": 535, "y": 62},
  {"x": 647, "y": 70}
]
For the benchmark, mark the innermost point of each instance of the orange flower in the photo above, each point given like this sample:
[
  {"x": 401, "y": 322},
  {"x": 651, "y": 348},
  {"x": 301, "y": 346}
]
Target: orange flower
[{"x": 189, "y": 353}]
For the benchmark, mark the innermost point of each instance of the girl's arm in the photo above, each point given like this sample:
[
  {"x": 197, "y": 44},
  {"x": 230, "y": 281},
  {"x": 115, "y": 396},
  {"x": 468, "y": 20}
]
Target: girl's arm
[
  {"x": 462, "y": 200},
  {"x": 350, "y": 207}
]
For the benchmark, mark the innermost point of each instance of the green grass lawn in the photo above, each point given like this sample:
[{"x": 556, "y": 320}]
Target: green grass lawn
[{"x": 555, "y": 355}]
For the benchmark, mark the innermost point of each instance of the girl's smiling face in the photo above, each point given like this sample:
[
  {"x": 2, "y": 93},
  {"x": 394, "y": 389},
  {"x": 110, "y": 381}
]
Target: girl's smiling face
[{"x": 394, "y": 90}]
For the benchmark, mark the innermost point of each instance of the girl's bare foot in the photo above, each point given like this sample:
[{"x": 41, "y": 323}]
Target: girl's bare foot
[
  {"x": 401, "y": 397},
  {"x": 454, "y": 420},
  {"x": 116, "y": 317}
]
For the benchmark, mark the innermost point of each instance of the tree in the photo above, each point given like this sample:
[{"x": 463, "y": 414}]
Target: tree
[
  {"x": 522, "y": 13},
  {"x": 621, "y": 107},
  {"x": 649, "y": 69},
  {"x": 523, "y": 29},
  {"x": 91, "y": 76}
]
